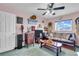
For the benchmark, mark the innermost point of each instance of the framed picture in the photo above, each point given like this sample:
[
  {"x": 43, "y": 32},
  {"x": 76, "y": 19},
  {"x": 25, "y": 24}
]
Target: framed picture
[
  {"x": 32, "y": 22},
  {"x": 77, "y": 25},
  {"x": 19, "y": 20}
]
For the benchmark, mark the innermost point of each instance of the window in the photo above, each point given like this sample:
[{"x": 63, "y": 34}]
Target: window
[{"x": 63, "y": 25}]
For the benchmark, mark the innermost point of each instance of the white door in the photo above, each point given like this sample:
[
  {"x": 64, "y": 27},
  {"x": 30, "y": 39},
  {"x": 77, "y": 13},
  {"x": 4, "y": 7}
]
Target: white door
[
  {"x": 7, "y": 31},
  {"x": 2, "y": 32},
  {"x": 10, "y": 31}
]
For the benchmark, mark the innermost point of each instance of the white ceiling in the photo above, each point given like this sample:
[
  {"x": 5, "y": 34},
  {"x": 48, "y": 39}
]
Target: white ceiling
[{"x": 29, "y": 9}]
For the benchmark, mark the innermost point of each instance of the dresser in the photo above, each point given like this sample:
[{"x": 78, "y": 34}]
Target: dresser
[{"x": 29, "y": 38}]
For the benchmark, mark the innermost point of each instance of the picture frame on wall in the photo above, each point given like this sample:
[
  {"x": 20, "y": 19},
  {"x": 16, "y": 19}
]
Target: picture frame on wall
[
  {"x": 32, "y": 22},
  {"x": 77, "y": 25},
  {"x": 19, "y": 20}
]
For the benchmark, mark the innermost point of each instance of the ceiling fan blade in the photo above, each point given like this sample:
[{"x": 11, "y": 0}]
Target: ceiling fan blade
[
  {"x": 58, "y": 8},
  {"x": 44, "y": 13},
  {"x": 41, "y": 9}
]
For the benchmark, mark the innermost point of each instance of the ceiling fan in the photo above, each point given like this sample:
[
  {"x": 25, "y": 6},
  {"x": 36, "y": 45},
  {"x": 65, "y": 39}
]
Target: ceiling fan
[{"x": 50, "y": 9}]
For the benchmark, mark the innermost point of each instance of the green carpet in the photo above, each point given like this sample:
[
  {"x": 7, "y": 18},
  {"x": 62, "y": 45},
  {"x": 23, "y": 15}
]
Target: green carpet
[{"x": 36, "y": 51}]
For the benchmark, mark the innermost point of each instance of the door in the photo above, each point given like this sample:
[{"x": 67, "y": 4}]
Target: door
[
  {"x": 10, "y": 31},
  {"x": 2, "y": 32},
  {"x": 7, "y": 31}
]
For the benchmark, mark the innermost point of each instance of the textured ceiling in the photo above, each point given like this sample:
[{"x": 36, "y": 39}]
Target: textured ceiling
[{"x": 28, "y": 9}]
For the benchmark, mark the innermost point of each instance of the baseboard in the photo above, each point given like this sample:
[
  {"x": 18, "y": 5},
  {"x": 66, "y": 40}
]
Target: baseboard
[
  {"x": 7, "y": 51},
  {"x": 17, "y": 48}
]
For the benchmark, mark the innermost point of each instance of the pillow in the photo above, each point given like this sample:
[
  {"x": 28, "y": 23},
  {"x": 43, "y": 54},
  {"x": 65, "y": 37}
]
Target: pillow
[
  {"x": 71, "y": 37},
  {"x": 49, "y": 42},
  {"x": 67, "y": 37}
]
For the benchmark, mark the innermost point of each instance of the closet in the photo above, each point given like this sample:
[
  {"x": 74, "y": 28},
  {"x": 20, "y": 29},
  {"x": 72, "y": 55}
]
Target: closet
[{"x": 7, "y": 31}]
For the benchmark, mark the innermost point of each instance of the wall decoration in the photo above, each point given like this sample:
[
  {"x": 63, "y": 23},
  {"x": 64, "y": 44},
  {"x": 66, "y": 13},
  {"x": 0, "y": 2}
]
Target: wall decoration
[
  {"x": 40, "y": 26},
  {"x": 77, "y": 20},
  {"x": 19, "y": 20},
  {"x": 64, "y": 25},
  {"x": 33, "y": 17},
  {"x": 49, "y": 24},
  {"x": 77, "y": 25},
  {"x": 49, "y": 27},
  {"x": 32, "y": 22}
]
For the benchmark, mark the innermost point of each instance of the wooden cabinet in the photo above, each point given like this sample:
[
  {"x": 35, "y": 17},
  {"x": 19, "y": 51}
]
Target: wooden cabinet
[
  {"x": 29, "y": 38},
  {"x": 7, "y": 31}
]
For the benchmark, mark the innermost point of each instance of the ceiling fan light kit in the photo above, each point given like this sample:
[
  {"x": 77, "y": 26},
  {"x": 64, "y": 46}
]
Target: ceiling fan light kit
[{"x": 54, "y": 13}]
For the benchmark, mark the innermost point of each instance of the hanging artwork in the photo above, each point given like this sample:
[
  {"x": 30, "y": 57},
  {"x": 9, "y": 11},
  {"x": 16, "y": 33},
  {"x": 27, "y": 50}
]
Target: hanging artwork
[
  {"x": 77, "y": 25},
  {"x": 50, "y": 27},
  {"x": 40, "y": 26},
  {"x": 32, "y": 20},
  {"x": 49, "y": 24},
  {"x": 33, "y": 17}
]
